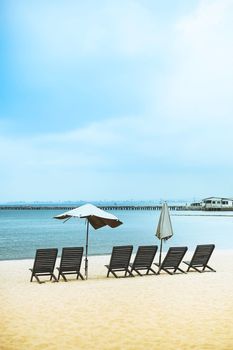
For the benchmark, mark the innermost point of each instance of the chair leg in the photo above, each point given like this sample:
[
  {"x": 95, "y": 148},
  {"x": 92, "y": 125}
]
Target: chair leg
[
  {"x": 166, "y": 270},
  {"x": 139, "y": 273},
  {"x": 63, "y": 276},
  {"x": 207, "y": 267},
  {"x": 37, "y": 278},
  {"x": 31, "y": 275},
  {"x": 210, "y": 268},
  {"x": 81, "y": 276},
  {"x": 110, "y": 271},
  {"x": 170, "y": 273},
  {"x": 54, "y": 277},
  {"x": 178, "y": 268},
  {"x": 115, "y": 275},
  {"x": 130, "y": 273},
  {"x": 152, "y": 270},
  {"x": 202, "y": 270},
  {"x": 196, "y": 269},
  {"x": 189, "y": 266}
]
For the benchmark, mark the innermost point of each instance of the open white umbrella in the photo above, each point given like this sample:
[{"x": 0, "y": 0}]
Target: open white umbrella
[
  {"x": 95, "y": 216},
  {"x": 164, "y": 229}
]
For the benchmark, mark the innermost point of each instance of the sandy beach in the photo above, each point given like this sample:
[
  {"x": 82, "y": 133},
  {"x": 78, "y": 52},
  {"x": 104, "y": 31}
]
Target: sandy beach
[{"x": 193, "y": 311}]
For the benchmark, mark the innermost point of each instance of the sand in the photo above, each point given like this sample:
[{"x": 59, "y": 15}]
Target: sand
[{"x": 193, "y": 311}]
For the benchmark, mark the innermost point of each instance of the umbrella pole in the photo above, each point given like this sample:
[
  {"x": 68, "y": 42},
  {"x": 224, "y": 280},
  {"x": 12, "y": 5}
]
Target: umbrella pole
[
  {"x": 160, "y": 252},
  {"x": 86, "y": 260}
]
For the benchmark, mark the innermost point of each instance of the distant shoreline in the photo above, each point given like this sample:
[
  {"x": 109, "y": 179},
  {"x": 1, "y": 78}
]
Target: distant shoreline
[{"x": 114, "y": 207}]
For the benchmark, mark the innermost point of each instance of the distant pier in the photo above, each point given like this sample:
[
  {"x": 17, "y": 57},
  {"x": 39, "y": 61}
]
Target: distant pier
[{"x": 104, "y": 207}]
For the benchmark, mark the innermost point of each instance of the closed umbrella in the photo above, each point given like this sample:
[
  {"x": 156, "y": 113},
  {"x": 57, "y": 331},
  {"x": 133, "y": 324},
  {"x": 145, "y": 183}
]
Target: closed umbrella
[
  {"x": 94, "y": 216},
  {"x": 164, "y": 229}
]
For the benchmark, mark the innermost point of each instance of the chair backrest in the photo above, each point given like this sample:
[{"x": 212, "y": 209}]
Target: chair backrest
[
  {"x": 120, "y": 257},
  {"x": 145, "y": 256},
  {"x": 71, "y": 258},
  {"x": 174, "y": 257},
  {"x": 45, "y": 260},
  {"x": 202, "y": 254}
]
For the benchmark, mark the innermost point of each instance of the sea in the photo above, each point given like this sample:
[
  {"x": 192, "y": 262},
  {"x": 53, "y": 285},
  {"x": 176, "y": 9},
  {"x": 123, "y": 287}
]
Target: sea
[{"x": 24, "y": 231}]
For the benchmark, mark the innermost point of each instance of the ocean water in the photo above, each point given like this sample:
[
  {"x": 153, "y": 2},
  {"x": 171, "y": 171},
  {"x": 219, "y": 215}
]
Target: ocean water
[{"x": 23, "y": 231}]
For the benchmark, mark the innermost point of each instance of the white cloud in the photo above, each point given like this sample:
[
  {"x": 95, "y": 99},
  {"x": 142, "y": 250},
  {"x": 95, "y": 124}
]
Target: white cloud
[
  {"x": 128, "y": 154},
  {"x": 117, "y": 144},
  {"x": 200, "y": 86}
]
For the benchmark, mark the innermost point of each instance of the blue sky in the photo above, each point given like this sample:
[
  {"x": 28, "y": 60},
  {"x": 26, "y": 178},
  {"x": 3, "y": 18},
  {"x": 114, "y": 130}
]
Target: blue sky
[{"x": 116, "y": 99}]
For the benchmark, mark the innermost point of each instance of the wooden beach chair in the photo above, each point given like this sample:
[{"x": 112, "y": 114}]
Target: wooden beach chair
[
  {"x": 120, "y": 260},
  {"x": 44, "y": 264},
  {"x": 70, "y": 263},
  {"x": 144, "y": 259},
  {"x": 200, "y": 258},
  {"x": 172, "y": 260}
]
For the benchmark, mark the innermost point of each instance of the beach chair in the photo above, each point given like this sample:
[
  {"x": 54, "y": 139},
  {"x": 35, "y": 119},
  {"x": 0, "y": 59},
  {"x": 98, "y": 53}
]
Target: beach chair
[
  {"x": 44, "y": 264},
  {"x": 144, "y": 259},
  {"x": 172, "y": 260},
  {"x": 70, "y": 263},
  {"x": 120, "y": 260},
  {"x": 200, "y": 258}
]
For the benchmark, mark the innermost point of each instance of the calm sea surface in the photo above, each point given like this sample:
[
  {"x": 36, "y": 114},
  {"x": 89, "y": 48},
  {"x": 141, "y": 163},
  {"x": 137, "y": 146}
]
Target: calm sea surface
[{"x": 23, "y": 231}]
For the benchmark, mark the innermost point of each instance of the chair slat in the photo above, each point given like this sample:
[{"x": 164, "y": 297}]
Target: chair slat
[
  {"x": 120, "y": 260},
  {"x": 201, "y": 257},
  {"x": 44, "y": 263},
  {"x": 144, "y": 258},
  {"x": 71, "y": 261},
  {"x": 172, "y": 260}
]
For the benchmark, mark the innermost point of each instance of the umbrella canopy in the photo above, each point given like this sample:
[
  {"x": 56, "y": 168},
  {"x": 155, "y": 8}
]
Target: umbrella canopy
[
  {"x": 164, "y": 229},
  {"x": 95, "y": 216}
]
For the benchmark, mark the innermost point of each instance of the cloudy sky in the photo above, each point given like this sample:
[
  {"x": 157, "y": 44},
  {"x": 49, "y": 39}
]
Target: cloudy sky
[{"x": 116, "y": 99}]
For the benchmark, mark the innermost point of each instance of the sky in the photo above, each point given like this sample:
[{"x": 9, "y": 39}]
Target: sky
[{"x": 116, "y": 99}]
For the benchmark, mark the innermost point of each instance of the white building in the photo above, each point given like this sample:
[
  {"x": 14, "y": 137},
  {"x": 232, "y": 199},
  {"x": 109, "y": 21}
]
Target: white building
[{"x": 216, "y": 203}]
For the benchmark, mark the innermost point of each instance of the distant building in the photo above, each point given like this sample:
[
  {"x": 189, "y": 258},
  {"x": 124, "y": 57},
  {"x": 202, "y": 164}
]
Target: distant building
[{"x": 214, "y": 203}]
